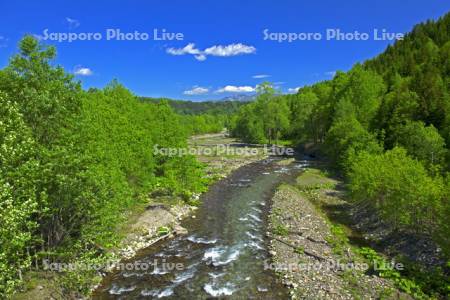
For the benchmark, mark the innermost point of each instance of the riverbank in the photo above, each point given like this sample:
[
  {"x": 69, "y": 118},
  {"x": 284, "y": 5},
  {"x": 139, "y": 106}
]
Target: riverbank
[
  {"x": 222, "y": 154},
  {"x": 159, "y": 218},
  {"x": 225, "y": 251},
  {"x": 162, "y": 218},
  {"x": 314, "y": 256},
  {"x": 312, "y": 223}
]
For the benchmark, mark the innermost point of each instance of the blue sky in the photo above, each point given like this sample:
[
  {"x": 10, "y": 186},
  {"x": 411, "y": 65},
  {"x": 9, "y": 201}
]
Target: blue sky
[{"x": 229, "y": 49}]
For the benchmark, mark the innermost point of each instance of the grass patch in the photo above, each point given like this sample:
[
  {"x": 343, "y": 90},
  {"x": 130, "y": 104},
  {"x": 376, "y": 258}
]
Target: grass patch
[
  {"x": 163, "y": 230},
  {"x": 281, "y": 230},
  {"x": 314, "y": 179},
  {"x": 39, "y": 285},
  {"x": 339, "y": 240},
  {"x": 382, "y": 268},
  {"x": 299, "y": 250},
  {"x": 413, "y": 280}
]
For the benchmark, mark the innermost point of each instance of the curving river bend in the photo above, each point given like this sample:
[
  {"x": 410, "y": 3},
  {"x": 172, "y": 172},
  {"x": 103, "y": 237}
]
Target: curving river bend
[{"x": 224, "y": 253}]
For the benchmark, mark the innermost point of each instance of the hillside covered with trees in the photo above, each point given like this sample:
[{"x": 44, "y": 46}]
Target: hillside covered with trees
[
  {"x": 71, "y": 162},
  {"x": 186, "y": 107},
  {"x": 384, "y": 125},
  {"x": 201, "y": 117}
]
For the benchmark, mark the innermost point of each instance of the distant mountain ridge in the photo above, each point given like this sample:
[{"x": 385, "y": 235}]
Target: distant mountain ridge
[
  {"x": 239, "y": 97},
  {"x": 187, "y": 107}
]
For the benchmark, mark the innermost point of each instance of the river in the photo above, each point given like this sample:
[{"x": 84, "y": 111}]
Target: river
[{"x": 225, "y": 252}]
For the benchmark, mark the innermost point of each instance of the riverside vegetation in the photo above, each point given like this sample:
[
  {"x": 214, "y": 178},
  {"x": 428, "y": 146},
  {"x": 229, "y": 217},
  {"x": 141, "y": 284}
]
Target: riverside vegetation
[
  {"x": 384, "y": 126},
  {"x": 75, "y": 165},
  {"x": 73, "y": 161},
  {"x": 313, "y": 222}
]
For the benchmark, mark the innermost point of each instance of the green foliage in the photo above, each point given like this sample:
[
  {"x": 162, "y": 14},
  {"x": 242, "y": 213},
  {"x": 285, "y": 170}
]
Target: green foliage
[
  {"x": 302, "y": 107},
  {"x": 422, "y": 142},
  {"x": 443, "y": 211},
  {"x": 263, "y": 120},
  {"x": 72, "y": 162},
  {"x": 385, "y": 125},
  {"x": 200, "y": 117},
  {"x": 205, "y": 123},
  {"x": 338, "y": 239},
  {"x": 398, "y": 106},
  {"x": 280, "y": 229},
  {"x": 50, "y": 103},
  {"x": 299, "y": 250},
  {"x": 408, "y": 283},
  {"x": 163, "y": 230},
  {"x": 248, "y": 126},
  {"x": 184, "y": 107},
  {"x": 388, "y": 182},
  {"x": 423, "y": 57},
  {"x": 18, "y": 201},
  {"x": 346, "y": 138},
  {"x": 82, "y": 275},
  {"x": 361, "y": 96}
]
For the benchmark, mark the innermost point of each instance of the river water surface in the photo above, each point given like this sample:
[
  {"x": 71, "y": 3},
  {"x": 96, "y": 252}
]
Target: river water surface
[{"x": 224, "y": 253}]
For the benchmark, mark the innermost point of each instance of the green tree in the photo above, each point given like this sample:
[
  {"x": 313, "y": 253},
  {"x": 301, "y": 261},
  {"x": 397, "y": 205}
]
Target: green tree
[
  {"x": 273, "y": 111},
  {"x": 346, "y": 138},
  {"x": 248, "y": 125},
  {"x": 18, "y": 201},
  {"x": 398, "y": 107},
  {"x": 303, "y": 117},
  {"x": 389, "y": 182},
  {"x": 422, "y": 142},
  {"x": 361, "y": 95}
]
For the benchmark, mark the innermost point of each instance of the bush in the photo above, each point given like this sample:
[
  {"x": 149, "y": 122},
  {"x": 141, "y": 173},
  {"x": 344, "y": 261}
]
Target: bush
[
  {"x": 72, "y": 162},
  {"x": 390, "y": 183},
  {"x": 18, "y": 202},
  {"x": 346, "y": 138},
  {"x": 422, "y": 142}
]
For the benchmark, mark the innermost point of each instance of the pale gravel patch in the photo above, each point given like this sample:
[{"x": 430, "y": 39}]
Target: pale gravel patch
[{"x": 310, "y": 230}]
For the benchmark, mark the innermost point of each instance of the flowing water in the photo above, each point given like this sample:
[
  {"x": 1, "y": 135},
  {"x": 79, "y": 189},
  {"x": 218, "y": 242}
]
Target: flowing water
[{"x": 225, "y": 252}]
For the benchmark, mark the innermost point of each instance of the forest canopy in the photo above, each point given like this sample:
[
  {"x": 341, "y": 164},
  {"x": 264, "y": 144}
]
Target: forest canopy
[
  {"x": 384, "y": 125},
  {"x": 73, "y": 161}
]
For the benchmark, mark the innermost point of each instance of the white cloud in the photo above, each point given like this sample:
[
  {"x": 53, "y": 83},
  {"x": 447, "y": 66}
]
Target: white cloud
[
  {"x": 236, "y": 89},
  {"x": 196, "y": 90},
  {"x": 200, "y": 57},
  {"x": 259, "y": 76},
  {"x": 82, "y": 71},
  {"x": 218, "y": 50},
  {"x": 330, "y": 73},
  {"x": 293, "y": 90},
  {"x": 72, "y": 23},
  {"x": 188, "y": 49},
  {"x": 230, "y": 50}
]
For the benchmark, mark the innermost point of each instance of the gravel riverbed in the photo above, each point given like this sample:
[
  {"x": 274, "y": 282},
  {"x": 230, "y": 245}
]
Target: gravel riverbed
[{"x": 304, "y": 250}]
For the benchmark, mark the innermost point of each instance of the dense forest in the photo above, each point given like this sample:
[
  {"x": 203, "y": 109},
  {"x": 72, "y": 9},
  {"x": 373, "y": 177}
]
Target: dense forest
[
  {"x": 72, "y": 161},
  {"x": 201, "y": 117},
  {"x": 384, "y": 125},
  {"x": 186, "y": 107}
]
